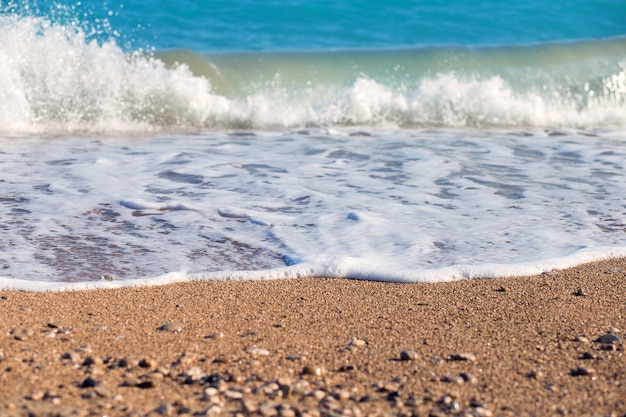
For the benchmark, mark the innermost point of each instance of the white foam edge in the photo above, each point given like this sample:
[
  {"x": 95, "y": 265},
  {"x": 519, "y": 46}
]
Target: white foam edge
[{"x": 349, "y": 268}]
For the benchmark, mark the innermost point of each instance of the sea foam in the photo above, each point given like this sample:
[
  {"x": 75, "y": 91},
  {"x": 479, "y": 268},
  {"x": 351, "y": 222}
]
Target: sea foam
[
  {"x": 398, "y": 205},
  {"x": 59, "y": 80}
]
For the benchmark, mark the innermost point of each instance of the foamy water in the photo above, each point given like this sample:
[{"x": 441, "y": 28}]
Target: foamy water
[
  {"x": 410, "y": 205},
  {"x": 420, "y": 164},
  {"x": 58, "y": 81}
]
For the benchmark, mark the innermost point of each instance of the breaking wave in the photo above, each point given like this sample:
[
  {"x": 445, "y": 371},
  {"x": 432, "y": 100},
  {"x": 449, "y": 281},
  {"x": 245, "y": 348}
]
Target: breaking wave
[{"x": 57, "y": 79}]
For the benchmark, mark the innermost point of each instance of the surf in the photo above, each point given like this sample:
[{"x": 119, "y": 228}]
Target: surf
[{"x": 61, "y": 80}]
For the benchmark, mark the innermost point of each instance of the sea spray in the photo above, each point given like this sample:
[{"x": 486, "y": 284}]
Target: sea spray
[{"x": 58, "y": 80}]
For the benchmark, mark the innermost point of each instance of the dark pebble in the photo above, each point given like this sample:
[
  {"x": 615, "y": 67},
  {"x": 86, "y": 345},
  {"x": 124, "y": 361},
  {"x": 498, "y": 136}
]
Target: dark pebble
[
  {"x": 89, "y": 383},
  {"x": 609, "y": 338}
]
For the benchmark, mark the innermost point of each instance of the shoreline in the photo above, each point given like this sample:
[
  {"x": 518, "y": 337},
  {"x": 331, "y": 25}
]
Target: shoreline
[{"x": 306, "y": 347}]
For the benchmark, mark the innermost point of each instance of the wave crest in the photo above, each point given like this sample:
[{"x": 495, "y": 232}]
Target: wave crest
[{"x": 56, "y": 80}]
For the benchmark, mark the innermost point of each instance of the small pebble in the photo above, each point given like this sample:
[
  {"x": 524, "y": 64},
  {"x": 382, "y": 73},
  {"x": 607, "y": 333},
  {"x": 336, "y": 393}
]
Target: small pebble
[
  {"x": 463, "y": 357},
  {"x": 580, "y": 293},
  {"x": 37, "y": 396},
  {"x": 233, "y": 395},
  {"x": 535, "y": 375},
  {"x": 469, "y": 378},
  {"x": 102, "y": 392},
  {"x": 73, "y": 357},
  {"x": 84, "y": 349},
  {"x": 89, "y": 383},
  {"x": 165, "y": 409},
  {"x": 301, "y": 387},
  {"x": 480, "y": 412},
  {"x": 588, "y": 355},
  {"x": 147, "y": 363},
  {"x": 21, "y": 333},
  {"x": 131, "y": 381},
  {"x": 608, "y": 347},
  {"x": 214, "y": 336},
  {"x": 91, "y": 360},
  {"x": 209, "y": 393},
  {"x": 267, "y": 410},
  {"x": 318, "y": 394},
  {"x": 150, "y": 383},
  {"x": 609, "y": 338},
  {"x": 313, "y": 370},
  {"x": 408, "y": 355},
  {"x": 193, "y": 374},
  {"x": 456, "y": 379},
  {"x": 214, "y": 410},
  {"x": 249, "y": 406},
  {"x": 258, "y": 352},
  {"x": 170, "y": 327},
  {"x": 583, "y": 371},
  {"x": 581, "y": 339},
  {"x": 295, "y": 357},
  {"x": 358, "y": 343}
]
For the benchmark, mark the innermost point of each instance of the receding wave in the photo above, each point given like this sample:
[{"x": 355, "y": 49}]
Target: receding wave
[{"x": 56, "y": 80}]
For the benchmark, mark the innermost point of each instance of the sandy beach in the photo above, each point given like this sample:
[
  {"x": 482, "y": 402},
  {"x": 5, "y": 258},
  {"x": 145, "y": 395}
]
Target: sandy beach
[{"x": 534, "y": 346}]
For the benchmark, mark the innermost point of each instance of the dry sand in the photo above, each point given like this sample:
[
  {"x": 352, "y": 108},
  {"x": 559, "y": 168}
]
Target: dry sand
[{"x": 321, "y": 347}]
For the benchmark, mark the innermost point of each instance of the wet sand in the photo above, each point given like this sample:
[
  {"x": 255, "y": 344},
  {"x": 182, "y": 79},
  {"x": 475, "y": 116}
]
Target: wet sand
[{"x": 308, "y": 347}]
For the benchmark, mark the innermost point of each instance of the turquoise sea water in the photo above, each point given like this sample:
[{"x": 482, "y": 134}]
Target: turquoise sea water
[
  {"x": 414, "y": 141},
  {"x": 321, "y": 25}
]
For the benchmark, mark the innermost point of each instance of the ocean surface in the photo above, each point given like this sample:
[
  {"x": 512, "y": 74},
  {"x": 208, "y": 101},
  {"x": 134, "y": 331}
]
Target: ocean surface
[{"x": 409, "y": 141}]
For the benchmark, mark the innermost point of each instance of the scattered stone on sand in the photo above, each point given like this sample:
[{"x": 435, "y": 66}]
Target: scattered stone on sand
[
  {"x": 608, "y": 347},
  {"x": 233, "y": 395},
  {"x": 147, "y": 363},
  {"x": 170, "y": 327},
  {"x": 92, "y": 361},
  {"x": 295, "y": 357},
  {"x": 581, "y": 339},
  {"x": 127, "y": 363},
  {"x": 469, "y": 378},
  {"x": 408, "y": 355},
  {"x": 255, "y": 351},
  {"x": 580, "y": 293},
  {"x": 36, "y": 395},
  {"x": 193, "y": 375},
  {"x": 469, "y": 357},
  {"x": 214, "y": 336},
  {"x": 131, "y": 381},
  {"x": 588, "y": 355},
  {"x": 89, "y": 382},
  {"x": 313, "y": 370},
  {"x": 357, "y": 343},
  {"x": 503, "y": 289},
  {"x": 583, "y": 371},
  {"x": 20, "y": 333},
  {"x": 455, "y": 379},
  {"x": 609, "y": 338},
  {"x": 165, "y": 409},
  {"x": 72, "y": 357},
  {"x": 84, "y": 349},
  {"x": 147, "y": 384},
  {"x": 102, "y": 392}
]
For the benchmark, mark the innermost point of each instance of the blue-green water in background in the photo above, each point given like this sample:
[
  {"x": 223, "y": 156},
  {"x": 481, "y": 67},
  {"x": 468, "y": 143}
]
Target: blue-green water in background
[{"x": 253, "y": 25}]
